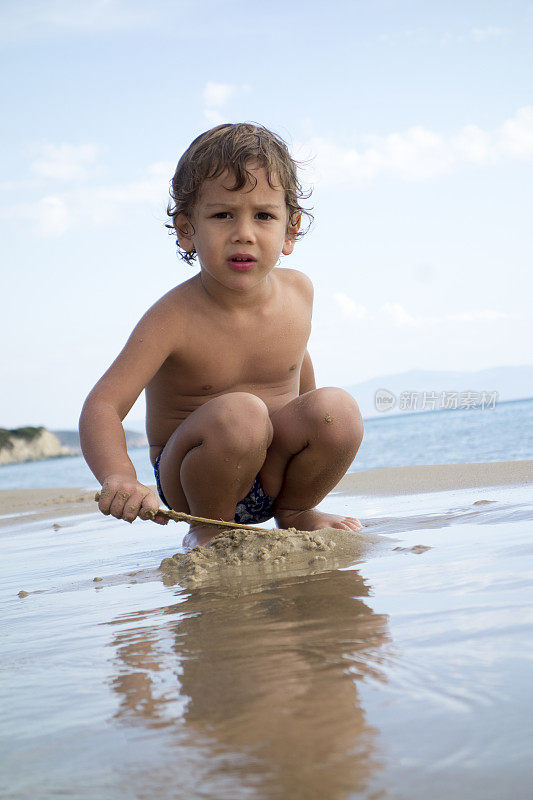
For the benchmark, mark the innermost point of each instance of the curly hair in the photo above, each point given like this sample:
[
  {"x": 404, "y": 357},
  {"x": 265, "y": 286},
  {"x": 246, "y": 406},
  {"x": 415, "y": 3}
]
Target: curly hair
[{"x": 232, "y": 147}]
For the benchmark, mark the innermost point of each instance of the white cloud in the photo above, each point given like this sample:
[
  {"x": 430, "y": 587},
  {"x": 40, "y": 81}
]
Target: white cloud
[
  {"x": 395, "y": 36},
  {"x": 151, "y": 189},
  {"x": 217, "y": 94},
  {"x": 399, "y": 316},
  {"x": 419, "y": 153},
  {"x": 489, "y": 32},
  {"x": 396, "y": 314},
  {"x": 56, "y": 213},
  {"x": 516, "y": 137},
  {"x": 473, "y": 316},
  {"x": 65, "y": 162},
  {"x": 40, "y": 18},
  {"x": 52, "y": 217},
  {"x": 349, "y": 307},
  {"x": 474, "y": 34},
  {"x": 214, "y": 117}
]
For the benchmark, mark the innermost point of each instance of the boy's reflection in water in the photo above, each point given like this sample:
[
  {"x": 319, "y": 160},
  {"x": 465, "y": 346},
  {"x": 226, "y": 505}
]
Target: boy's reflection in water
[{"x": 271, "y": 676}]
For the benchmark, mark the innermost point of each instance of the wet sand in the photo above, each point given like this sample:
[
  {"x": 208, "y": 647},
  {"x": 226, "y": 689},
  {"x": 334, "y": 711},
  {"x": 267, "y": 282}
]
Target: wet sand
[{"x": 396, "y": 669}]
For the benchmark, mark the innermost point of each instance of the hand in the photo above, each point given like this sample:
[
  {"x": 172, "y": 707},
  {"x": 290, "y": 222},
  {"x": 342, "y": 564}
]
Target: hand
[{"x": 125, "y": 498}]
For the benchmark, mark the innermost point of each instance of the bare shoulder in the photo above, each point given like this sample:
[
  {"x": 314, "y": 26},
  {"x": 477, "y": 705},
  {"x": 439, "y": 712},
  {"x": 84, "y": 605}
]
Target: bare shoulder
[
  {"x": 167, "y": 316},
  {"x": 297, "y": 280}
]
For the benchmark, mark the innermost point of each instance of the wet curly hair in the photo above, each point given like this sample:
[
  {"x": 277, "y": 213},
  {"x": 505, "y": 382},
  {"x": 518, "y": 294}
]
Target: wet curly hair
[{"x": 233, "y": 147}]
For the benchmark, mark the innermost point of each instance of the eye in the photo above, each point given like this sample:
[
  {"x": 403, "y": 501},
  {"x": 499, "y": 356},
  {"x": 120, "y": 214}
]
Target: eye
[
  {"x": 264, "y": 215},
  {"x": 221, "y": 215}
]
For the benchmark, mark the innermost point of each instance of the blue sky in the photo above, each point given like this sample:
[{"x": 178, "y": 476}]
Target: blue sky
[{"x": 416, "y": 119}]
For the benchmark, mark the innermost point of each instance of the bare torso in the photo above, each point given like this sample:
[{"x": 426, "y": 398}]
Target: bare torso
[{"x": 258, "y": 350}]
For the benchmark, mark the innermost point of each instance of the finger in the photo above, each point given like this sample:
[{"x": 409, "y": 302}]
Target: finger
[
  {"x": 132, "y": 507},
  {"x": 106, "y": 498},
  {"x": 116, "y": 508},
  {"x": 161, "y": 520},
  {"x": 150, "y": 506}
]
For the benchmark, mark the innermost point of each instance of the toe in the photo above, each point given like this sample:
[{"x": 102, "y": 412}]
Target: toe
[
  {"x": 354, "y": 523},
  {"x": 343, "y": 526}
]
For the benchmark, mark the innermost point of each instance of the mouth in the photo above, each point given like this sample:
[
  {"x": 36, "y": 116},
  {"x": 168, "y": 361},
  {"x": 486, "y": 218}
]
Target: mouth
[{"x": 241, "y": 262}]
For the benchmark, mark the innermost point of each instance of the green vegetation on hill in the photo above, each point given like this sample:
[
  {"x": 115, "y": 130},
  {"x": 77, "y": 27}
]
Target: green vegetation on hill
[{"x": 27, "y": 433}]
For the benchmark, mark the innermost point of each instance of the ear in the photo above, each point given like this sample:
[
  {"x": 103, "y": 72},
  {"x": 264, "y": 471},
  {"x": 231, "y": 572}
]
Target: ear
[
  {"x": 185, "y": 232},
  {"x": 290, "y": 237}
]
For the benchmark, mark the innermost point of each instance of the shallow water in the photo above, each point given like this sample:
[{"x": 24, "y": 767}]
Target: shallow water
[{"x": 405, "y": 675}]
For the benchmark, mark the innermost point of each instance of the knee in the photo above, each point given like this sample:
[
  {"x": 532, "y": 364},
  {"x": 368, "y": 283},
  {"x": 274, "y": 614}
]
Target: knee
[
  {"x": 241, "y": 421},
  {"x": 335, "y": 416}
]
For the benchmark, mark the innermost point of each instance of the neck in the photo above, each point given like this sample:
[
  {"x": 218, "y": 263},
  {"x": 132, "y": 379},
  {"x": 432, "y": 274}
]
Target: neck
[{"x": 233, "y": 299}]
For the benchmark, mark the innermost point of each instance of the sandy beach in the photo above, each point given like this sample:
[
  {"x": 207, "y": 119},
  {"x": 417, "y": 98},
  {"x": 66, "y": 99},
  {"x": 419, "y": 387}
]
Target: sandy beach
[{"x": 396, "y": 669}]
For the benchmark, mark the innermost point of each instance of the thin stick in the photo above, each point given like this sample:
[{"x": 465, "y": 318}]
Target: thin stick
[{"x": 181, "y": 516}]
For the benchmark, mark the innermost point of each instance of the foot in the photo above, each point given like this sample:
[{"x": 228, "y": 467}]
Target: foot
[
  {"x": 313, "y": 520},
  {"x": 199, "y": 535}
]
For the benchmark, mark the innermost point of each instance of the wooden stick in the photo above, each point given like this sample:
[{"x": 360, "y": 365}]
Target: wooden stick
[{"x": 181, "y": 516}]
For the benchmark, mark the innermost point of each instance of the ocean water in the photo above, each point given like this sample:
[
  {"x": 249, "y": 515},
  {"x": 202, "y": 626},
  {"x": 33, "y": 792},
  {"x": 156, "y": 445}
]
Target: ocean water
[{"x": 504, "y": 433}]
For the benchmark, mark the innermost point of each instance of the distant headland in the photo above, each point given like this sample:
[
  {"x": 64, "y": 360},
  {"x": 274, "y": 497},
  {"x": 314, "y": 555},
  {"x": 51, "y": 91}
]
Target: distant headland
[{"x": 36, "y": 443}]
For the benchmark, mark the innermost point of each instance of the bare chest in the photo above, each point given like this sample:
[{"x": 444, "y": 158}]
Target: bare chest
[{"x": 247, "y": 353}]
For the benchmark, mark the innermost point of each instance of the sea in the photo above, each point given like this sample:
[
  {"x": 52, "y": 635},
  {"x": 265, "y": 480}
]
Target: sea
[{"x": 501, "y": 433}]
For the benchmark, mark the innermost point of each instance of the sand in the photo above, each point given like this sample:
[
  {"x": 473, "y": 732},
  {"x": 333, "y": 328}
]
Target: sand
[
  {"x": 42, "y": 504},
  {"x": 436, "y": 478},
  {"x": 240, "y": 554}
]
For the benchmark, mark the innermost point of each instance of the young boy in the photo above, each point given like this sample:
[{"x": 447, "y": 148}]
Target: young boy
[{"x": 237, "y": 428}]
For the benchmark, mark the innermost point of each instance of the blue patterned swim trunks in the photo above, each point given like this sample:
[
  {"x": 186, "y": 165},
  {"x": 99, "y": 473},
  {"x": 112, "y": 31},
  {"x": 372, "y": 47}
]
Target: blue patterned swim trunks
[{"x": 256, "y": 507}]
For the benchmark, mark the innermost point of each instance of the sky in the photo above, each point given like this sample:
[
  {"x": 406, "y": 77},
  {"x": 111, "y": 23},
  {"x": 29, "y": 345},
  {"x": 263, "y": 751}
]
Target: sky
[{"x": 415, "y": 123}]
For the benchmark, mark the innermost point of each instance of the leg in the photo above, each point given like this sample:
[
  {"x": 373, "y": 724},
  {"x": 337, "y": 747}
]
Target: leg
[
  {"x": 316, "y": 438},
  {"x": 210, "y": 462}
]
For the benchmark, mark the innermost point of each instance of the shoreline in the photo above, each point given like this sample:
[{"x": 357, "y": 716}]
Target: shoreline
[
  {"x": 422, "y": 479},
  {"x": 31, "y": 505}
]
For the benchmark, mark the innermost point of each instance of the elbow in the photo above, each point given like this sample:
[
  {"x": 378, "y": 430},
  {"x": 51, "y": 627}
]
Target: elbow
[{"x": 94, "y": 408}]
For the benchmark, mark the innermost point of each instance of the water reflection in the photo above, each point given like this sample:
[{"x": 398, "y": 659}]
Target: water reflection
[{"x": 269, "y": 678}]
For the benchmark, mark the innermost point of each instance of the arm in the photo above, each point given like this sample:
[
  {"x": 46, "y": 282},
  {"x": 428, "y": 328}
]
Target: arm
[
  {"x": 101, "y": 433},
  {"x": 307, "y": 375}
]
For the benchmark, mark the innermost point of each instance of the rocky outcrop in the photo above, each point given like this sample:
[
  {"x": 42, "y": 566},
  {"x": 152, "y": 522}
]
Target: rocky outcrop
[{"x": 29, "y": 444}]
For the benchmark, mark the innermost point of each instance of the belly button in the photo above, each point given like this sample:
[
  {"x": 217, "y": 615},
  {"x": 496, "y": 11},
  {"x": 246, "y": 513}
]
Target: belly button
[
  {"x": 292, "y": 368},
  {"x": 207, "y": 387}
]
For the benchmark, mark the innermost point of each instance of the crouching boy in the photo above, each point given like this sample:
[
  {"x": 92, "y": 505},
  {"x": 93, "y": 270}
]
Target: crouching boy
[{"x": 237, "y": 429}]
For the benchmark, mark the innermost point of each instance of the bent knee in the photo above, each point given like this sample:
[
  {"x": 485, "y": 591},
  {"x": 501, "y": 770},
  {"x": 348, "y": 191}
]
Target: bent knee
[
  {"x": 336, "y": 414},
  {"x": 242, "y": 419}
]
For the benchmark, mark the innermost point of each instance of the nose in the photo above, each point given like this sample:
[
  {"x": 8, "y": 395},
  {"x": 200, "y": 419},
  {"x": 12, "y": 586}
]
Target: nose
[{"x": 243, "y": 231}]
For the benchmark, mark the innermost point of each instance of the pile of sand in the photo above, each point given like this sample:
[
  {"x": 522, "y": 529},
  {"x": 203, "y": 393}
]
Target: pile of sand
[{"x": 234, "y": 550}]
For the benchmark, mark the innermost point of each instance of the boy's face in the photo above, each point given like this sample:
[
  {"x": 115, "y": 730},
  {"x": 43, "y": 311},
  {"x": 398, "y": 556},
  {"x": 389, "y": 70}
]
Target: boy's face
[{"x": 238, "y": 235}]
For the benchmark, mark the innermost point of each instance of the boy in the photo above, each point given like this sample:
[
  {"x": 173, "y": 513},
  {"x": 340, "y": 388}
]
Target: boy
[{"x": 236, "y": 426}]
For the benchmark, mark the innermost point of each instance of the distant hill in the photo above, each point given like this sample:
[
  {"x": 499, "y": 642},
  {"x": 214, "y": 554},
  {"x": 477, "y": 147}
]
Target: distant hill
[
  {"x": 71, "y": 440},
  {"x": 29, "y": 444},
  {"x": 511, "y": 383}
]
